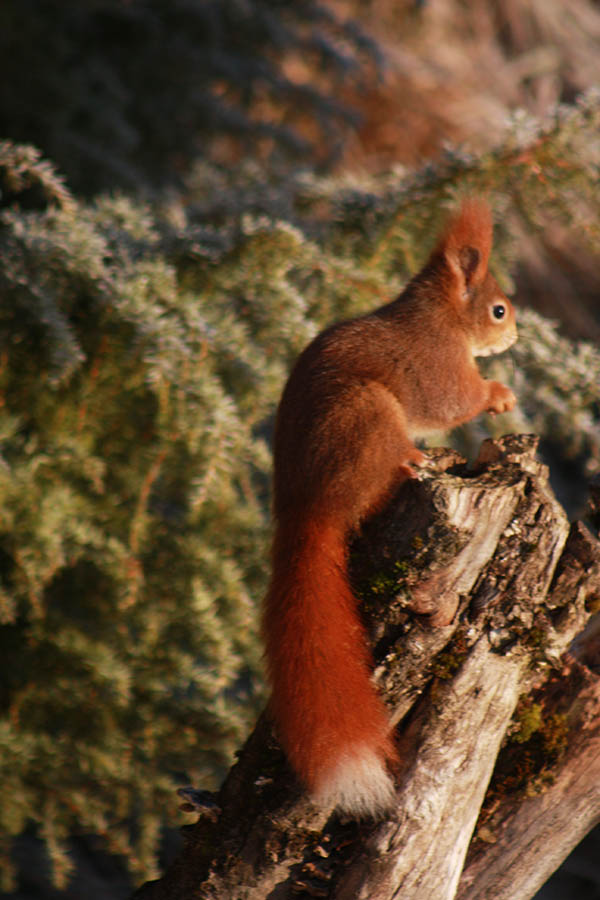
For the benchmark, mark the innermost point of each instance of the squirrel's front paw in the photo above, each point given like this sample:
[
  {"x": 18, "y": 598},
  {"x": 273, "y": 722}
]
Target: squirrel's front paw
[
  {"x": 501, "y": 398},
  {"x": 412, "y": 457},
  {"x": 416, "y": 457}
]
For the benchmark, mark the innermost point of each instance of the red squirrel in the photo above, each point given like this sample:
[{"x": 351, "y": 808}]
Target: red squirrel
[{"x": 356, "y": 399}]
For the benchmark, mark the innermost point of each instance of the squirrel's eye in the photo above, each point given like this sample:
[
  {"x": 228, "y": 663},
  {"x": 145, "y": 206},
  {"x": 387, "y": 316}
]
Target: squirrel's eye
[{"x": 499, "y": 311}]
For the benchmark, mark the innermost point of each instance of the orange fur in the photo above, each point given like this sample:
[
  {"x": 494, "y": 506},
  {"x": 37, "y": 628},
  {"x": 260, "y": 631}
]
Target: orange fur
[
  {"x": 472, "y": 227},
  {"x": 356, "y": 399},
  {"x": 317, "y": 655}
]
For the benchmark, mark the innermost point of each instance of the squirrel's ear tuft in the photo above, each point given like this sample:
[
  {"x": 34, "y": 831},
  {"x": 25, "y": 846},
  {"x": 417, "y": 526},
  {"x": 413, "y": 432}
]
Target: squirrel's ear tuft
[{"x": 467, "y": 241}]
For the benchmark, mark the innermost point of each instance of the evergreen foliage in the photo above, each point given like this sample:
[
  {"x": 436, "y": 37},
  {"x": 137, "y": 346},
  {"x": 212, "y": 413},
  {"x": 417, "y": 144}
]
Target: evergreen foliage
[
  {"x": 133, "y": 518},
  {"x": 129, "y": 93},
  {"x": 143, "y": 350}
]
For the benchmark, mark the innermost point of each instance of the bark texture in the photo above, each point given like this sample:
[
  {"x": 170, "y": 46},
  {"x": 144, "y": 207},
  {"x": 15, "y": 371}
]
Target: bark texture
[{"x": 480, "y": 599}]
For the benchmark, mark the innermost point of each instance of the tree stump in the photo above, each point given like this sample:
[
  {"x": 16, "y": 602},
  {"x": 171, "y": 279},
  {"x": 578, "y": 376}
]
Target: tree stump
[{"x": 493, "y": 687}]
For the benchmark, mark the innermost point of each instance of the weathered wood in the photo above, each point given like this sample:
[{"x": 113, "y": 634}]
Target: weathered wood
[
  {"x": 528, "y": 835},
  {"x": 443, "y": 789},
  {"x": 502, "y": 585}
]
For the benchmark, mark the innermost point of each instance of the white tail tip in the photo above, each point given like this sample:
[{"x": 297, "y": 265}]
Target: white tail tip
[{"x": 358, "y": 784}]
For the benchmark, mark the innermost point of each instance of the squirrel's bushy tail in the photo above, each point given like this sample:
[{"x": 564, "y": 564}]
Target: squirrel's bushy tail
[{"x": 329, "y": 718}]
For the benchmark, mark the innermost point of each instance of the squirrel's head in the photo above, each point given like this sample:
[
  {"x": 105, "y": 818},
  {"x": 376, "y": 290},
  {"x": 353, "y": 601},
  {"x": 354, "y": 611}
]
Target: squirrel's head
[{"x": 484, "y": 311}]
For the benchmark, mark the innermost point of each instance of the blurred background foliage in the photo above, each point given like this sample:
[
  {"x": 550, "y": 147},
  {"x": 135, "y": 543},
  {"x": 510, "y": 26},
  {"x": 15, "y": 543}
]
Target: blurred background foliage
[
  {"x": 130, "y": 92},
  {"x": 188, "y": 193}
]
